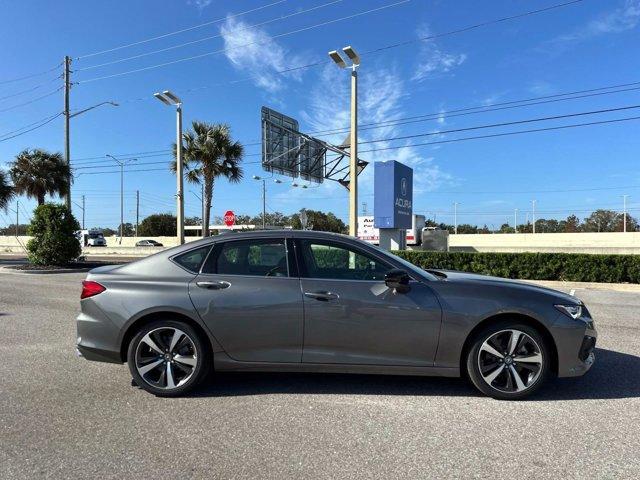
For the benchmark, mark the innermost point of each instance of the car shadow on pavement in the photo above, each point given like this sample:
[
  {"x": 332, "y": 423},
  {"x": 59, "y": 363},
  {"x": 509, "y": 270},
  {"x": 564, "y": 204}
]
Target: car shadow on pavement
[{"x": 614, "y": 375}]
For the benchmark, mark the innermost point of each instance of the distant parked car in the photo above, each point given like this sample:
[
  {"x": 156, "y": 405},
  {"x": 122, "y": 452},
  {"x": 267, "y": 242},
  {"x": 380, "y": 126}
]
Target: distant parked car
[
  {"x": 301, "y": 301},
  {"x": 148, "y": 243}
]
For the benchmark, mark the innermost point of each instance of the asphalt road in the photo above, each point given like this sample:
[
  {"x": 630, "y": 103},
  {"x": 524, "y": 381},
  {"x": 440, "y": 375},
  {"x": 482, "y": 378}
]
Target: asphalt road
[{"x": 65, "y": 417}]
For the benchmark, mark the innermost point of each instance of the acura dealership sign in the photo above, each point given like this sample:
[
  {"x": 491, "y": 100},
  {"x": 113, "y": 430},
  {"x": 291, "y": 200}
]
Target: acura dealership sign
[{"x": 393, "y": 195}]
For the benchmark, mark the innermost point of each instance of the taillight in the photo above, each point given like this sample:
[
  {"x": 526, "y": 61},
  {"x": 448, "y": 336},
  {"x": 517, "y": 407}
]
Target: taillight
[{"x": 89, "y": 289}]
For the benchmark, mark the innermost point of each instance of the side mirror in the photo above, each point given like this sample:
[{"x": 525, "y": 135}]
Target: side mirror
[{"x": 398, "y": 280}]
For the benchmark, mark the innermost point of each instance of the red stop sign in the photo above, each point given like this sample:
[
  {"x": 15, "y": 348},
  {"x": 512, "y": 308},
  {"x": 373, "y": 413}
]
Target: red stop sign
[{"x": 229, "y": 218}]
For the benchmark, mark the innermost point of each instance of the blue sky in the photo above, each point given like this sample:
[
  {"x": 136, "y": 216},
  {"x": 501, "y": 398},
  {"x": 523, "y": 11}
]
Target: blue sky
[{"x": 586, "y": 45}]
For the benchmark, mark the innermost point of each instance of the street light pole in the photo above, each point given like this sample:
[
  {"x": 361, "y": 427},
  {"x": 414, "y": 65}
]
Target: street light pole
[
  {"x": 264, "y": 200},
  {"x": 171, "y": 99},
  {"x": 353, "y": 134},
  {"x": 515, "y": 221},
  {"x": 624, "y": 215},
  {"x": 121, "y": 163},
  {"x": 533, "y": 214},
  {"x": 455, "y": 217}
]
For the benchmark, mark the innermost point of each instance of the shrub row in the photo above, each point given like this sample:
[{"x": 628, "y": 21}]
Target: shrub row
[{"x": 572, "y": 267}]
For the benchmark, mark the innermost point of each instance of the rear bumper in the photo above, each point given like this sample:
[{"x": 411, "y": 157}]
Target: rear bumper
[
  {"x": 97, "y": 336},
  {"x": 97, "y": 354}
]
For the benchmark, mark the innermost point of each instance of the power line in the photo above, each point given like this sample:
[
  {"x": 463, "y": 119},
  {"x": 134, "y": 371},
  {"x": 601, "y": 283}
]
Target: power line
[
  {"x": 472, "y": 110},
  {"x": 30, "y": 89},
  {"x": 504, "y": 124},
  {"x": 211, "y": 37},
  {"x": 140, "y": 42},
  {"x": 207, "y": 54},
  {"x": 4, "y": 137},
  {"x": 27, "y": 77},
  {"x": 387, "y": 47},
  {"x": 33, "y": 100},
  {"x": 520, "y": 132}
]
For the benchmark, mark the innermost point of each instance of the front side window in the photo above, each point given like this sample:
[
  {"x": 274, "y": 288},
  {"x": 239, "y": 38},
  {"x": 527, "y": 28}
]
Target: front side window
[
  {"x": 262, "y": 258},
  {"x": 336, "y": 261}
]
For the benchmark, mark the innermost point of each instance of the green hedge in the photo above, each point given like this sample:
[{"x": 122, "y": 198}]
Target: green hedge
[{"x": 572, "y": 267}]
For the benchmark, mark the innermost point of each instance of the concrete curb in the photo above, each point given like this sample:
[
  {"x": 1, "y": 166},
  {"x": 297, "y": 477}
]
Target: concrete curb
[
  {"x": 619, "y": 287},
  {"x": 13, "y": 271}
]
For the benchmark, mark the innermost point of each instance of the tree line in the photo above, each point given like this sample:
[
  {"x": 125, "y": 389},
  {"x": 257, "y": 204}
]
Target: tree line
[{"x": 598, "y": 221}]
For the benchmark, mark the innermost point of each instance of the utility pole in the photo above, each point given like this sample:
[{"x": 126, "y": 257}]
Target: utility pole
[
  {"x": 67, "y": 116},
  {"x": 83, "y": 206},
  {"x": 624, "y": 215},
  {"x": 515, "y": 221},
  {"x": 533, "y": 214},
  {"x": 202, "y": 208},
  {"x": 17, "y": 216},
  {"x": 137, "y": 210},
  {"x": 455, "y": 217}
]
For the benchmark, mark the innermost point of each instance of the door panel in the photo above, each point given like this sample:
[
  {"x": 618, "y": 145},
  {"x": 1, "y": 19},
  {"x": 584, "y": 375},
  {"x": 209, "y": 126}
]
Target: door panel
[
  {"x": 256, "y": 317},
  {"x": 367, "y": 323},
  {"x": 355, "y": 318}
]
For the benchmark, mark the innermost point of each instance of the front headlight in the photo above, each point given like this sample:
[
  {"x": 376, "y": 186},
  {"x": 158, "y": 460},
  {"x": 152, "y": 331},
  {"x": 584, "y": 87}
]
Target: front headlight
[{"x": 573, "y": 311}]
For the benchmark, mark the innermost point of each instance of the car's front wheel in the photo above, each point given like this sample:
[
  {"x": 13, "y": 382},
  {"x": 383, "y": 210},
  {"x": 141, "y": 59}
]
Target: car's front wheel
[
  {"x": 167, "y": 358},
  {"x": 508, "y": 361}
]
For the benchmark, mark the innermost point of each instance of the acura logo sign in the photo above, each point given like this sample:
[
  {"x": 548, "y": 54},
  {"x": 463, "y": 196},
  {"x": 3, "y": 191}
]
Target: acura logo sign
[{"x": 403, "y": 187}]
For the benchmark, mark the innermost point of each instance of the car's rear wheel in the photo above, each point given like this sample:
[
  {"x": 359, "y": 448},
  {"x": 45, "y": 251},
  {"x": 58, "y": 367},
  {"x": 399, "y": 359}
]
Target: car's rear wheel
[
  {"x": 167, "y": 358},
  {"x": 508, "y": 361}
]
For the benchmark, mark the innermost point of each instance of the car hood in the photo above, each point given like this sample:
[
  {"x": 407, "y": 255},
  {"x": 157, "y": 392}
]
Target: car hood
[{"x": 453, "y": 276}]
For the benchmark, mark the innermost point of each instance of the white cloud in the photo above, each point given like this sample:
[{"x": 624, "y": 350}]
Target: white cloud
[
  {"x": 432, "y": 60},
  {"x": 382, "y": 93},
  {"x": 626, "y": 17},
  {"x": 200, "y": 4},
  {"x": 251, "y": 50}
]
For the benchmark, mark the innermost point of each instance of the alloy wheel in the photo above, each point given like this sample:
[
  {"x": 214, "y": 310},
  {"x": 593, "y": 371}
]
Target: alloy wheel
[
  {"x": 166, "y": 358},
  {"x": 510, "y": 361}
]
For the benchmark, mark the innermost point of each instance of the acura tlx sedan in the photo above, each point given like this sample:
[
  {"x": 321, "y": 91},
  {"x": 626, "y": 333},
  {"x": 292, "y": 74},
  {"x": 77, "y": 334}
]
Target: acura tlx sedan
[{"x": 300, "y": 301}]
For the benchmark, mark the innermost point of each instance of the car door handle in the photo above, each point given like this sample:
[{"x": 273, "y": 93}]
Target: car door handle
[
  {"x": 214, "y": 285},
  {"x": 322, "y": 296}
]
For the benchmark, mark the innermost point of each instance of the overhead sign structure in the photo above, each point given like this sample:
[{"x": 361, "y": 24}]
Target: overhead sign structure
[
  {"x": 287, "y": 151},
  {"x": 229, "y": 218},
  {"x": 393, "y": 195}
]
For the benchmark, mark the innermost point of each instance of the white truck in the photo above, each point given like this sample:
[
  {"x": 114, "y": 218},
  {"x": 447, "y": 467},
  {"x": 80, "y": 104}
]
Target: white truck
[
  {"x": 91, "y": 238},
  {"x": 369, "y": 233}
]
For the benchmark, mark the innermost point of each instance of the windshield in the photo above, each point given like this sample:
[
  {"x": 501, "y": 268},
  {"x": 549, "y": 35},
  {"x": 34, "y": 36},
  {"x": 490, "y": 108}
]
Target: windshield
[
  {"x": 408, "y": 265},
  {"x": 95, "y": 235}
]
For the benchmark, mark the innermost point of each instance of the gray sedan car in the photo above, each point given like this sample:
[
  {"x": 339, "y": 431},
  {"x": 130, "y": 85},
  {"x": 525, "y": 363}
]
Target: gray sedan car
[{"x": 299, "y": 301}]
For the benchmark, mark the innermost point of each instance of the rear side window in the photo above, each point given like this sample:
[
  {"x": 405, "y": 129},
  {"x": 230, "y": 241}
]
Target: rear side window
[
  {"x": 262, "y": 258},
  {"x": 193, "y": 259}
]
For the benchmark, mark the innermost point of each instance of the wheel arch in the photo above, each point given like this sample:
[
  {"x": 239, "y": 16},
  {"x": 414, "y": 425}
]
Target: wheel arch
[
  {"x": 147, "y": 318},
  {"x": 519, "y": 317}
]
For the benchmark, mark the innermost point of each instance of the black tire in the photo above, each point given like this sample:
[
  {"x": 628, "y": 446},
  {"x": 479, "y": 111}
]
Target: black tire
[
  {"x": 183, "y": 377},
  {"x": 505, "y": 386}
]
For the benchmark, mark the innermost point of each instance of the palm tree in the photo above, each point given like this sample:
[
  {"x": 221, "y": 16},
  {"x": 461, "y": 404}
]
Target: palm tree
[
  {"x": 6, "y": 191},
  {"x": 36, "y": 173},
  {"x": 209, "y": 153}
]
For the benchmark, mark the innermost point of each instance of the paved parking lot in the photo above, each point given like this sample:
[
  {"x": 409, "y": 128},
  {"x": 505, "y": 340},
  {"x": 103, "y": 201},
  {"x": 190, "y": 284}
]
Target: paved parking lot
[{"x": 64, "y": 417}]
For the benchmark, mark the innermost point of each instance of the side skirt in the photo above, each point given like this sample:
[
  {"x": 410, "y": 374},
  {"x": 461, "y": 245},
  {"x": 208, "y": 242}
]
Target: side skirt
[{"x": 223, "y": 363}]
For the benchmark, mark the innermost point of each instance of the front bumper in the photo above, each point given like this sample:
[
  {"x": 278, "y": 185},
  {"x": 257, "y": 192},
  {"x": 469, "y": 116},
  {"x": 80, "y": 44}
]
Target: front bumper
[{"x": 576, "y": 344}]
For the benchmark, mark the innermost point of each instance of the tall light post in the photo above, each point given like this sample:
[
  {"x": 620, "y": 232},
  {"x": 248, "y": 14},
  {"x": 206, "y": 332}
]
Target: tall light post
[
  {"x": 122, "y": 163},
  {"x": 168, "y": 98},
  {"x": 624, "y": 214},
  {"x": 264, "y": 196},
  {"x": 533, "y": 214},
  {"x": 515, "y": 221},
  {"x": 353, "y": 138},
  {"x": 67, "y": 117},
  {"x": 455, "y": 217}
]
